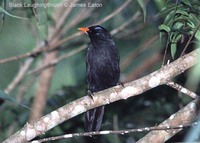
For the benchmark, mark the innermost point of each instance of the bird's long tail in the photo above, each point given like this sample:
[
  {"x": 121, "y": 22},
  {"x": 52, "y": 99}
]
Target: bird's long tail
[{"x": 93, "y": 119}]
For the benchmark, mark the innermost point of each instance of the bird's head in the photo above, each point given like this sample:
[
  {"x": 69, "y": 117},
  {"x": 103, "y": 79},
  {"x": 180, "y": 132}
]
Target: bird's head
[{"x": 97, "y": 33}]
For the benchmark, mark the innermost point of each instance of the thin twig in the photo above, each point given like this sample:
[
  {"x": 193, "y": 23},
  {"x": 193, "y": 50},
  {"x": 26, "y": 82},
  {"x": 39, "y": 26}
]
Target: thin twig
[
  {"x": 60, "y": 20},
  {"x": 165, "y": 52},
  {"x": 122, "y": 132},
  {"x": 134, "y": 88},
  {"x": 186, "y": 115},
  {"x": 133, "y": 18},
  {"x": 45, "y": 77},
  {"x": 56, "y": 46},
  {"x": 41, "y": 49},
  {"x": 55, "y": 61},
  {"x": 182, "y": 89},
  {"x": 142, "y": 68},
  {"x": 166, "y": 47},
  {"x": 26, "y": 66},
  {"x": 130, "y": 33},
  {"x": 24, "y": 88},
  {"x": 82, "y": 15},
  {"x": 114, "y": 13},
  {"x": 140, "y": 49},
  {"x": 20, "y": 75},
  {"x": 190, "y": 39}
]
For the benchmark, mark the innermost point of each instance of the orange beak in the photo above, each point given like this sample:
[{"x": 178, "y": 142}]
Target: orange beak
[{"x": 84, "y": 29}]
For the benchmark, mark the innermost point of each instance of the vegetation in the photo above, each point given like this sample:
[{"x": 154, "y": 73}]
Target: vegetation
[{"x": 42, "y": 61}]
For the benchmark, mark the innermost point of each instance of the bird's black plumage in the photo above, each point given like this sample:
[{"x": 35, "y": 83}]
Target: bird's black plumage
[{"x": 102, "y": 67}]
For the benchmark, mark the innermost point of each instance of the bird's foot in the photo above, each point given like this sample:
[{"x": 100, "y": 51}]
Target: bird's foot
[
  {"x": 90, "y": 94},
  {"x": 118, "y": 88},
  {"x": 121, "y": 83}
]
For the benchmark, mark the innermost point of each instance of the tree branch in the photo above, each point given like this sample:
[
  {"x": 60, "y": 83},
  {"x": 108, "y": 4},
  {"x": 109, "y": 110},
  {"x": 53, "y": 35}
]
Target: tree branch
[
  {"x": 20, "y": 75},
  {"x": 55, "y": 46},
  {"x": 182, "y": 89},
  {"x": 176, "y": 122},
  {"x": 44, "y": 83},
  {"x": 55, "y": 61},
  {"x": 74, "y": 108},
  {"x": 184, "y": 116}
]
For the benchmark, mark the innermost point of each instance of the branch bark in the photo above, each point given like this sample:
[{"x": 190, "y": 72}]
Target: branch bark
[
  {"x": 184, "y": 116},
  {"x": 74, "y": 108},
  {"x": 176, "y": 122}
]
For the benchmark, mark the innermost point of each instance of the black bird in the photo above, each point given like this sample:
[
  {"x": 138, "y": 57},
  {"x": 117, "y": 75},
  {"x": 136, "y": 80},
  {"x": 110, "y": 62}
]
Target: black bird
[{"x": 102, "y": 68}]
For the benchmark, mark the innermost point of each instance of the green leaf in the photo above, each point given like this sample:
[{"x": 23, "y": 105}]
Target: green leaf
[
  {"x": 197, "y": 35},
  {"x": 193, "y": 19},
  {"x": 190, "y": 24},
  {"x": 14, "y": 16},
  {"x": 182, "y": 12},
  {"x": 165, "y": 10},
  {"x": 143, "y": 6},
  {"x": 161, "y": 36},
  {"x": 181, "y": 18},
  {"x": 178, "y": 25},
  {"x": 173, "y": 49},
  {"x": 7, "y": 97},
  {"x": 169, "y": 18},
  {"x": 178, "y": 37},
  {"x": 164, "y": 27},
  {"x": 186, "y": 2}
]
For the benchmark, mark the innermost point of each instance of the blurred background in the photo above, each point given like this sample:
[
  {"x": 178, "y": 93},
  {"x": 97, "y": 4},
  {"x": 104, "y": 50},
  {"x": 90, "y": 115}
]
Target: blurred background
[{"x": 56, "y": 76}]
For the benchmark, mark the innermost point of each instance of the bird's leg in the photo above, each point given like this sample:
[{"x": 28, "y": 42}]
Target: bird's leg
[
  {"x": 121, "y": 83},
  {"x": 90, "y": 94},
  {"x": 118, "y": 89}
]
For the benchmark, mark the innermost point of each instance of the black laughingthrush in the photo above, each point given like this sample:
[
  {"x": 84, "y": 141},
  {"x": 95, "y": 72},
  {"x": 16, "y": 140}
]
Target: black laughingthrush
[{"x": 102, "y": 68}]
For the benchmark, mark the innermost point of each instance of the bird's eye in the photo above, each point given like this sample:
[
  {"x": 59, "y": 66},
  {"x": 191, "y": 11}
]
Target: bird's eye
[{"x": 98, "y": 28}]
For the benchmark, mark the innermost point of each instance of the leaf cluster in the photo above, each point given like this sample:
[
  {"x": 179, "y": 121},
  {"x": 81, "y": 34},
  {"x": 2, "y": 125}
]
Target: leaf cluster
[{"x": 181, "y": 20}]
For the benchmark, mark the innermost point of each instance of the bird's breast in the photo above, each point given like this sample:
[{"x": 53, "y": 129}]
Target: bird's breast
[{"x": 102, "y": 67}]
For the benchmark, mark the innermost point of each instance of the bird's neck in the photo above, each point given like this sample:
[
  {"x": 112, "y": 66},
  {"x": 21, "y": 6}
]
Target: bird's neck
[{"x": 102, "y": 43}]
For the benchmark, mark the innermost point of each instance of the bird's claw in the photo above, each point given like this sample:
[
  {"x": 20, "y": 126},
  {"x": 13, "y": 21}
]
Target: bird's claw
[
  {"x": 90, "y": 94},
  {"x": 121, "y": 83}
]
